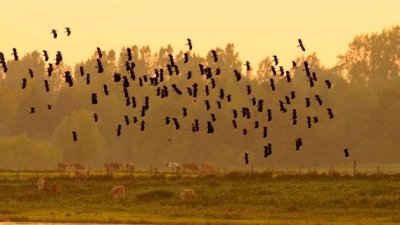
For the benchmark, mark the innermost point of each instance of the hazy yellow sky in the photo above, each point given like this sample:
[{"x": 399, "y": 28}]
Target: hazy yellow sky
[{"x": 258, "y": 28}]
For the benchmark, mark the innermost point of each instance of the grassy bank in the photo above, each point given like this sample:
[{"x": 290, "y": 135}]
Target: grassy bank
[{"x": 235, "y": 198}]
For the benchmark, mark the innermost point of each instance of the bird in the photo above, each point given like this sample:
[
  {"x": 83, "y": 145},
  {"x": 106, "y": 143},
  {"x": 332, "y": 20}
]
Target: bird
[
  {"x": 105, "y": 89},
  {"x": 119, "y": 127},
  {"x": 15, "y": 54},
  {"x": 346, "y": 153},
  {"x": 184, "y": 112},
  {"x": 45, "y": 55},
  {"x": 301, "y": 45},
  {"x": 238, "y": 76},
  {"x": 50, "y": 69},
  {"x": 308, "y": 102},
  {"x": 246, "y": 158},
  {"x": 129, "y": 54},
  {"x": 271, "y": 81},
  {"x": 309, "y": 122},
  {"x": 186, "y": 57},
  {"x": 267, "y": 150},
  {"x": 68, "y": 78},
  {"x": 99, "y": 52},
  {"x": 117, "y": 77},
  {"x": 23, "y": 83},
  {"x": 276, "y": 60},
  {"x": 95, "y": 117},
  {"x": 210, "y": 127},
  {"x": 328, "y": 84},
  {"x": 33, "y": 110},
  {"x": 49, "y": 106},
  {"x": 59, "y": 58},
  {"x": 189, "y": 44},
  {"x": 176, "y": 123},
  {"x": 247, "y": 64},
  {"x": 30, "y": 71},
  {"x": 330, "y": 113},
  {"x": 46, "y": 85},
  {"x": 142, "y": 125},
  {"x": 74, "y": 136},
  {"x": 54, "y": 32},
  {"x": 292, "y": 94},
  {"x": 68, "y": 31},
  {"x": 319, "y": 100},
  {"x": 94, "y": 98},
  {"x": 269, "y": 115},
  {"x": 288, "y": 77},
  {"x": 214, "y": 55},
  {"x": 100, "y": 68},
  {"x": 248, "y": 90},
  {"x": 298, "y": 144},
  {"x": 294, "y": 65},
  {"x": 234, "y": 123},
  {"x": 273, "y": 70}
]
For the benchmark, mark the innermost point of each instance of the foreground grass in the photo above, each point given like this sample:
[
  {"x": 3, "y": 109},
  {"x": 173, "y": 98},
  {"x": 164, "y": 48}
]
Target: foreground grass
[{"x": 232, "y": 199}]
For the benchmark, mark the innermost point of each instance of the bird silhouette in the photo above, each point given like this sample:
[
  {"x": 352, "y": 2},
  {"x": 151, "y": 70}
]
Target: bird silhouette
[
  {"x": 273, "y": 70},
  {"x": 346, "y": 153},
  {"x": 46, "y": 85},
  {"x": 30, "y": 72},
  {"x": 68, "y": 78},
  {"x": 176, "y": 123},
  {"x": 59, "y": 58},
  {"x": 294, "y": 65},
  {"x": 189, "y": 44},
  {"x": 214, "y": 55},
  {"x": 328, "y": 83},
  {"x": 272, "y": 83},
  {"x": 99, "y": 53},
  {"x": 237, "y": 75},
  {"x": 309, "y": 122},
  {"x": 49, "y": 106},
  {"x": 265, "y": 132},
  {"x": 142, "y": 125},
  {"x": 33, "y": 110},
  {"x": 15, "y": 54},
  {"x": 74, "y": 136},
  {"x": 184, "y": 112},
  {"x": 269, "y": 115},
  {"x": 301, "y": 45},
  {"x": 247, "y": 64},
  {"x": 267, "y": 150},
  {"x": 68, "y": 31},
  {"x": 298, "y": 144},
  {"x": 129, "y": 54},
  {"x": 319, "y": 100},
  {"x": 176, "y": 89},
  {"x": 234, "y": 123},
  {"x": 308, "y": 102},
  {"x": 276, "y": 60},
  {"x": 117, "y": 77},
  {"x": 293, "y": 94},
  {"x": 23, "y": 83},
  {"x": 45, "y": 55},
  {"x": 248, "y": 90},
  {"x": 95, "y": 117},
  {"x": 99, "y": 66},
  {"x": 105, "y": 89},
  {"x": 246, "y": 158},
  {"x": 330, "y": 113},
  {"x": 54, "y": 32},
  {"x": 94, "y": 98},
  {"x": 50, "y": 70},
  {"x": 119, "y": 128},
  {"x": 186, "y": 57},
  {"x": 244, "y": 131},
  {"x": 87, "y": 78},
  {"x": 210, "y": 127},
  {"x": 314, "y": 76}
]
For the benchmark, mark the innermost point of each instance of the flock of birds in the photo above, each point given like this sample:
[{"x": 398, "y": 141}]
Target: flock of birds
[{"x": 163, "y": 91}]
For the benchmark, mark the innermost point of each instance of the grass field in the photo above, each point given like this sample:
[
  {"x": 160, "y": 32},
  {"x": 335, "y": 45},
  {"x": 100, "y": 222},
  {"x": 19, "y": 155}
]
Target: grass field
[{"x": 234, "y": 198}]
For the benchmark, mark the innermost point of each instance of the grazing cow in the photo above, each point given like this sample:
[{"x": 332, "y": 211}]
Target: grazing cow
[
  {"x": 187, "y": 194},
  {"x": 207, "y": 167},
  {"x": 41, "y": 183},
  {"x": 118, "y": 192},
  {"x": 63, "y": 167},
  {"x": 77, "y": 166},
  {"x": 173, "y": 166},
  {"x": 190, "y": 166},
  {"x": 112, "y": 168},
  {"x": 81, "y": 175},
  {"x": 129, "y": 167}
]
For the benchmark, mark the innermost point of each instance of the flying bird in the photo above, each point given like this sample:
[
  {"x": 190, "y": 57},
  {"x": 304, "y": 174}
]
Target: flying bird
[
  {"x": 45, "y": 55},
  {"x": 246, "y": 158},
  {"x": 74, "y": 136},
  {"x": 301, "y": 45},
  {"x": 68, "y": 31},
  {"x": 276, "y": 60},
  {"x": 54, "y": 32},
  {"x": 346, "y": 153},
  {"x": 189, "y": 44}
]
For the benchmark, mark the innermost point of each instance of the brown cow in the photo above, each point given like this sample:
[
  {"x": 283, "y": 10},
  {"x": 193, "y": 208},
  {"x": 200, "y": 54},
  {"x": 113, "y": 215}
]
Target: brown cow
[
  {"x": 63, "y": 167},
  {"x": 77, "y": 166},
  {"x": 45, "y": 185},
  {"x": 112, "y": 168},
  {"x": 187, "y": 194},
  {"x": 207, "y": 167},
  {"x": 190, "y": 167},
  {"x": 118, "y": 192},
  {"x": 81, "y": 175}
]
